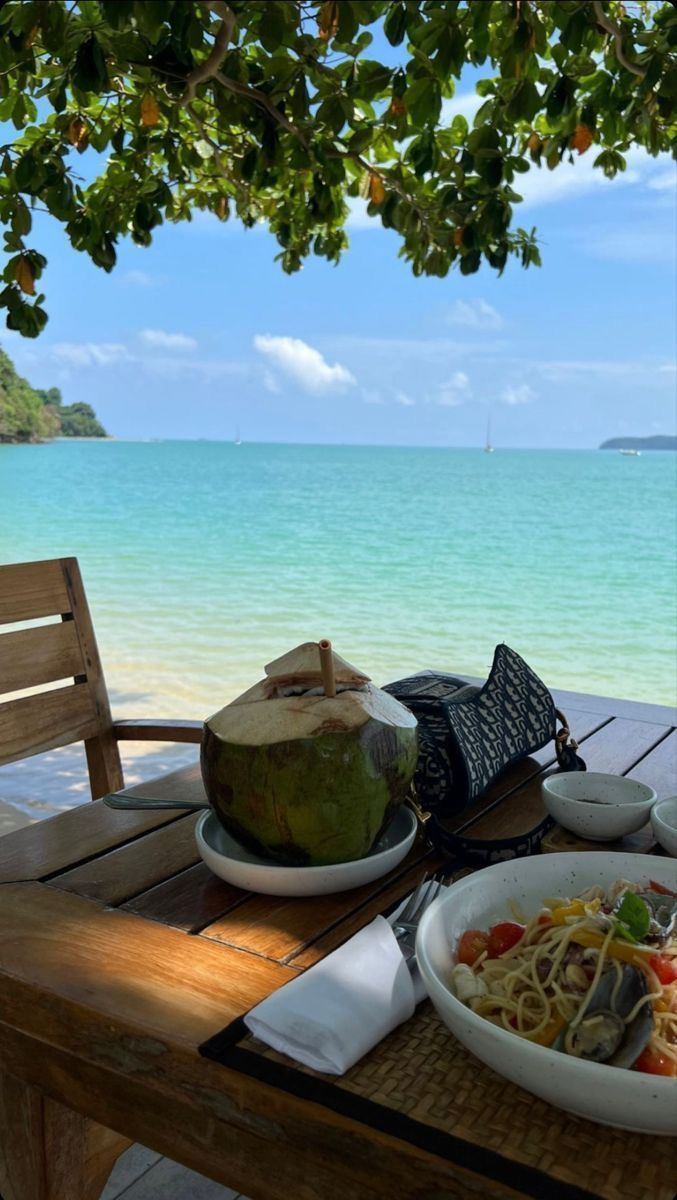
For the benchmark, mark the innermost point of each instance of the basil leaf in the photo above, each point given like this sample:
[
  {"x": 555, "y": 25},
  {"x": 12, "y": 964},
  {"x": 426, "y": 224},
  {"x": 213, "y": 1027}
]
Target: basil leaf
[{"x": 634, "y": 915}]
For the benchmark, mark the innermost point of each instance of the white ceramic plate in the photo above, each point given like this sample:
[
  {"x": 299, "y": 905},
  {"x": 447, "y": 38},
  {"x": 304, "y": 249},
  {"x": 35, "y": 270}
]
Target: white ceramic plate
[
  {"x": 230, "y": 861},
  {"x": 626, "y": 1099}
]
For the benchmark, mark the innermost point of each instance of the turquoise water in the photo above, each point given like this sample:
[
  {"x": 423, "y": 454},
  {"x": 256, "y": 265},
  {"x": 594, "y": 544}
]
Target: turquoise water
[{"x": 203, "y": 561}]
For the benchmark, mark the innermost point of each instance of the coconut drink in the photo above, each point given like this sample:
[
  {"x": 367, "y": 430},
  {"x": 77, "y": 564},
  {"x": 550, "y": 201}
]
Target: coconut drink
[{"x": 308, "y": 766}]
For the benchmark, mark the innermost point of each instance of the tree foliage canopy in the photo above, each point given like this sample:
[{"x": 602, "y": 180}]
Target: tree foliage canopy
[
  {"x": 30, "y": 414},
  {"x": 277, "y": 111}
]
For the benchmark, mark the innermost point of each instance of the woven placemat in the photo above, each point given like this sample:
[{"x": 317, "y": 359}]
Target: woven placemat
[{"x": 420, "y": 1084}]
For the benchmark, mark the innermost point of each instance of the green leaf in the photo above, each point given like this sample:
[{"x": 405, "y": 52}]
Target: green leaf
[
  {"x": 422, "y": 154},
  {"x": 470, "y": 263},
  {"x": 90, "y": 73},
  {"x": 524, "y": 102},
  {"x": 489, "y": 167},
  {"x": 424, "y": 101},
  {"x": 272, "y": 26},
  {"x": 395, "y": 24},
  {"x": 59, "y": 98},
  {"x": 21, "y": 220},
  {"x": 360, "y": 139},
  {"x": 633, "y": 918}
]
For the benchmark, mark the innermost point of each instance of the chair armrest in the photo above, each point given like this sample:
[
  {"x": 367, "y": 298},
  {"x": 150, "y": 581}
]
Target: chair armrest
[{"x": 158, "y": 731}]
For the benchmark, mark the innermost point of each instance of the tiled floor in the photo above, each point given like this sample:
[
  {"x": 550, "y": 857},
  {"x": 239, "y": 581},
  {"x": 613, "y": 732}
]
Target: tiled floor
[{"x": 142, "y": 1175}]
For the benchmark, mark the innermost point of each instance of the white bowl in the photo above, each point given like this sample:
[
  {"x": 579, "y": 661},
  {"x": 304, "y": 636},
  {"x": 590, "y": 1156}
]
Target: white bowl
[
  {"x": 609, "y": 1095},
  {"x": 232, "y": 862},
  {"x": 664, "y": 822},
  {"x": 597, "y": 807}
]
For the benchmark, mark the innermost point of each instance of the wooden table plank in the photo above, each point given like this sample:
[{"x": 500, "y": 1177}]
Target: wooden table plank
[
  {"x": 189, "y": 901},
  {"x": 618, "y": 746},
  {"x": 236, "y": 1130},
  {"x": 387, "y": 898},
  {"x": 178, "y": 988},
  {"x": 116, "y": 876},
  {"x": 658, "y": 768},
  {"x": 70, "y": 837},
  {"x": 278, "y": 927}
]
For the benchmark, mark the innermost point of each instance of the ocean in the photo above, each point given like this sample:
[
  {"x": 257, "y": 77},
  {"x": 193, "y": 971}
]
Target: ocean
[{"x": 205, "y": 560}]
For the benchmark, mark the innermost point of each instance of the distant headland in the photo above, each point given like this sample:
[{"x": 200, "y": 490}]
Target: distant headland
[
  {"x": 30, "y": 414},
  {"x": 659, "y": 442}
]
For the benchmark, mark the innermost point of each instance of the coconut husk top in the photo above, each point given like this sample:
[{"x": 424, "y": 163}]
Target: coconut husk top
[{"x": 291, "y": 703}]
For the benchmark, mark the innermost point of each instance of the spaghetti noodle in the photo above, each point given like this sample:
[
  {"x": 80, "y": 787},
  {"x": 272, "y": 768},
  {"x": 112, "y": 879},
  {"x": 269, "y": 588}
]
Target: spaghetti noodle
[{"x": 594, "y": 976}]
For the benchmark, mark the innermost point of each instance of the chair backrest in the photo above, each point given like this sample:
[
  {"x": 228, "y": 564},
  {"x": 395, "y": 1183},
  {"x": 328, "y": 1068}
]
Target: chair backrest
[{"x": 62, "y": 650}]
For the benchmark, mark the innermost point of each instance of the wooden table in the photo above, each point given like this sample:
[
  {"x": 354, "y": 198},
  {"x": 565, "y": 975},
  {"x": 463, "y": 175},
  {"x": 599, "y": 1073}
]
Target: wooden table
[{"x": 120, "y": 955}]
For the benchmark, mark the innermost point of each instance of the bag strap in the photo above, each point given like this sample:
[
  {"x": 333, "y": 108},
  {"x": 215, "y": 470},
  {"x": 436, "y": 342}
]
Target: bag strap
[{"x": 566, "y": 747}]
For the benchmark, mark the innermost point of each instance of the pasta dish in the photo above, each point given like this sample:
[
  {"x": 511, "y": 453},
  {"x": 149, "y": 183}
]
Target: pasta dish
[{"x": 594, "y": 976}]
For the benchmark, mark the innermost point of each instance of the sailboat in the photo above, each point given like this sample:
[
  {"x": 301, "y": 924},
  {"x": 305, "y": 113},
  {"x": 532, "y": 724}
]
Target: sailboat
[
  {"x": 238, "y": 439},
  {"x": 488, "y": 448}
]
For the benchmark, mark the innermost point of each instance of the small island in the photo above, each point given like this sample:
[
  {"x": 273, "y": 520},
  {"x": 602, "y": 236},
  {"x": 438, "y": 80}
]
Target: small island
[
  {"x": 30, "y": 414},
  {"x": 658, "y": 442}
]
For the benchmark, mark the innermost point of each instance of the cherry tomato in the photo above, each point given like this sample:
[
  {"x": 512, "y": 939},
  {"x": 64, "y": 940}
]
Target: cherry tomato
[
  {"x": 503, "y": 937},
  {"x": 652, "y": 1062},
  {"x": 473, "y": 943},
  {"x": 665, "y": 968},
  {"x": 660, "y": 887}
]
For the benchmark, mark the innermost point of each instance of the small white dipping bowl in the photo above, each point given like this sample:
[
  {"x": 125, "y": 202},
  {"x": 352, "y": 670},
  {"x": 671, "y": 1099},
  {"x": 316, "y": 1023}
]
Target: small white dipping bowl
[
  {"x": 664, "y": 822},
  {"x": 598, "y": 807}
]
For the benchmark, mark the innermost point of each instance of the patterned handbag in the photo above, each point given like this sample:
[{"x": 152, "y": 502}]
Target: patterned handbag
[{"x": 469, "y": 735}]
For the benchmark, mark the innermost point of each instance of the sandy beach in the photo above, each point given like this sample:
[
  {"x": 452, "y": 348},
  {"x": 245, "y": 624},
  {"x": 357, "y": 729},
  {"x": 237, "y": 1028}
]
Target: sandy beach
[{"x": 40, "y": 787}]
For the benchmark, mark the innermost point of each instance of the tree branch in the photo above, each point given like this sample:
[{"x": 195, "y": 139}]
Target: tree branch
[
  {"x": 617, "y": 34},
  {"x": 208, "y": 68},
  {"x": 252, "y": 93},
  {"x": 218, "y": 162}
]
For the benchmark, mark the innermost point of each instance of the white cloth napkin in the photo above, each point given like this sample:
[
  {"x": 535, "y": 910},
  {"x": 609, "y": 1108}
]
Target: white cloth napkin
[{"x": 330, "y": 1016}]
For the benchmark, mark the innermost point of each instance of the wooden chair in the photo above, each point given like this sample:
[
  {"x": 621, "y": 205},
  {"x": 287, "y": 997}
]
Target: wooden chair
[{"x": 64, "y": 650}]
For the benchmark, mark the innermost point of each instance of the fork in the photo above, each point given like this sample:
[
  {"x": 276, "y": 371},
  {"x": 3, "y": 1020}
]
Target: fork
[{"x": 406, "y": 924}]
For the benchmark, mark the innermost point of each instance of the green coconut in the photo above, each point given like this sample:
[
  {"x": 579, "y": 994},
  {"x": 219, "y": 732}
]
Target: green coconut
[{"x": 305, "y": 777}]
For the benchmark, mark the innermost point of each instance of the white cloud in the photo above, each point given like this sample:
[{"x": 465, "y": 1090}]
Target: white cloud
[
  {"x": 664, "y": 180},
  {"x": 568, "y": 369},
  {"x": 398, "y": 353},
  {"x": 542, "y": 186},
  {"x": 455, "y": 391},
  {"x": 465, "y": 105},
  {"x": 158, "y": 339},
  {"x": 167, "y": 366},
  {"x": 519, "y": 393},
  {"x": 475, "y": 314},
  {"x": 303, "y": 363},
  {"x": 405, "y": 399},
  {"x": 138, "y": 279},
  {"x": 90, "y": 354},
  {"x": 567, "y": 180},
  {"x": 270, "y": 382}
]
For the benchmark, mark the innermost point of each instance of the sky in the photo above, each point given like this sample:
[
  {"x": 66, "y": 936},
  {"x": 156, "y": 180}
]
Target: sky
[{"x": 202, "y": 335}]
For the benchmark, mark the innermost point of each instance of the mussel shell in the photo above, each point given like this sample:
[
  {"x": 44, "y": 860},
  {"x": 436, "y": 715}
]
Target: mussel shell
[
  {"x": 598, "y": 1036},
  {"x": 631, "y": 989},
  {"x": 663, "y": 914}
]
